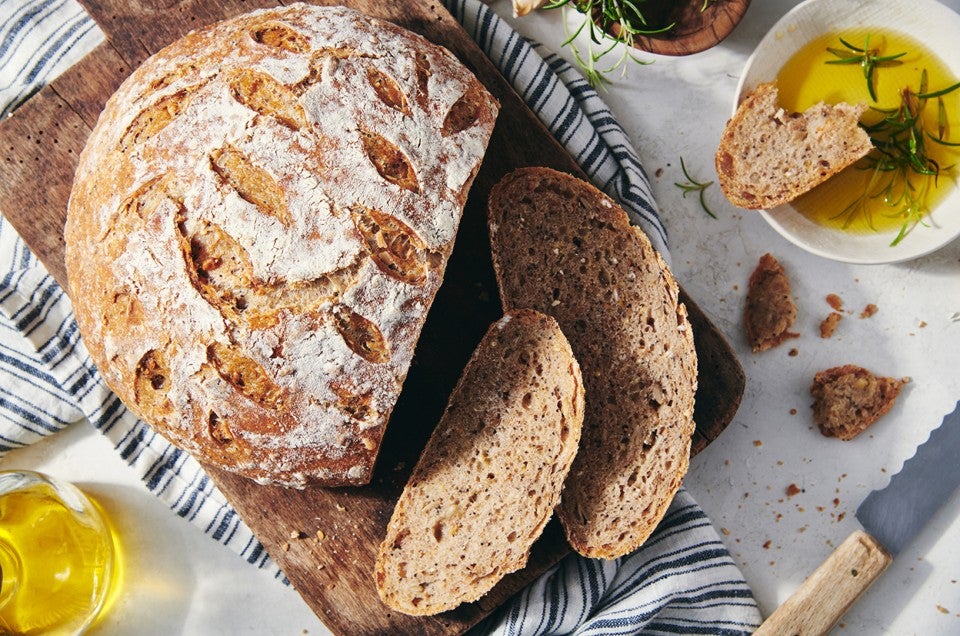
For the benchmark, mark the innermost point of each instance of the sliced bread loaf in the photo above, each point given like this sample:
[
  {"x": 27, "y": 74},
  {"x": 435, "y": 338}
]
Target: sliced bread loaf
[
  {"x": 768, "y": 157},
  {"x": 490, "y": 476},
  {"x": 561, "y": 246}
]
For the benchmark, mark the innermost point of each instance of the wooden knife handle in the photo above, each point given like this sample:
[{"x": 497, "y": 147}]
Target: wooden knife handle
[{"x": 831, "y": 590}]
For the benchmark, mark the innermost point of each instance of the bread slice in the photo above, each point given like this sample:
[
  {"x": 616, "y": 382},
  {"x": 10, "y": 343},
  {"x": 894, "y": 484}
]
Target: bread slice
[
  {"x": 561, "y": 246},
  {"x": 769, "y": 312},
  {"x": 768, "y": 157},
  {"x": 490, "y": 475},
  {"x": 848, "y": 399}
]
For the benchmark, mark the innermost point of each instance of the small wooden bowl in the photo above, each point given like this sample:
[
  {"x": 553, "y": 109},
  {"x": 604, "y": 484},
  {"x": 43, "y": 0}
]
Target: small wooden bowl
[{"x": 694, "y": 30}]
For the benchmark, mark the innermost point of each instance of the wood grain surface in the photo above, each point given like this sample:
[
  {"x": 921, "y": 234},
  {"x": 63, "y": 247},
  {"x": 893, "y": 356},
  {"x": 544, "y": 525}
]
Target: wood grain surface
[{"x": 325, "y": 540}]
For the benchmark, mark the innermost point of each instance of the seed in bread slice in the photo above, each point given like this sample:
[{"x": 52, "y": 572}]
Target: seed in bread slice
[
  {"x": 491, "y": 474},
  {"x": 768, "y": 157},
  {"x": 561, "y": 246},
  {"x": 848, "y": 399}
]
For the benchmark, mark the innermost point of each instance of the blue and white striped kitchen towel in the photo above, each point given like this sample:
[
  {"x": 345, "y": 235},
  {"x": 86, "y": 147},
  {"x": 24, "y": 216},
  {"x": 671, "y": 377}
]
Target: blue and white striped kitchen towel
[{"x": 682, "y": 581}]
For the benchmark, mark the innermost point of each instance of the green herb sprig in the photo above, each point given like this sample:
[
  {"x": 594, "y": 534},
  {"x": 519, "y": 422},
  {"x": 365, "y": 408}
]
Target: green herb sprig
[
  {"x": 692, "y": 185},
  {"x": 900, "y": 139},
  {"x": 868, "y": 59},
  {"x": 601, "y": 18}
]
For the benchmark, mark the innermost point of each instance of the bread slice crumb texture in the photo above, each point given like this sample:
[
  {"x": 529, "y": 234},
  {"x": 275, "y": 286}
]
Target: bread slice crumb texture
[
  {"x": 491, "y": 474},
  {"x": 562, "y": 247},
  {"x": 768, "y": 157}
]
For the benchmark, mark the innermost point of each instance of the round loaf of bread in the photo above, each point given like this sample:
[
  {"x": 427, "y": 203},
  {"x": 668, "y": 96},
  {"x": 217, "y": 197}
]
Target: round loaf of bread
[{"x": 258, "y": 225}]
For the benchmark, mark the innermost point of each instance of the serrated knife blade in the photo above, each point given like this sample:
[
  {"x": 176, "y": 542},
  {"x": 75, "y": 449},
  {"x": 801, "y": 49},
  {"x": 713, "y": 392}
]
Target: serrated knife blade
[
  {"x": 891, "y": 517},
  {"x": 894, "y": 515}
]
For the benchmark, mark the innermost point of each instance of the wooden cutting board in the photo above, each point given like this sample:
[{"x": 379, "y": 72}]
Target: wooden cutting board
[{"x": 325, "y": 540}]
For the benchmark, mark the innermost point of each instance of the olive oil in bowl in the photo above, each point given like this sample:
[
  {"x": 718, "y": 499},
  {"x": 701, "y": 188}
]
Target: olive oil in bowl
[{"x": 861, "y": 199}]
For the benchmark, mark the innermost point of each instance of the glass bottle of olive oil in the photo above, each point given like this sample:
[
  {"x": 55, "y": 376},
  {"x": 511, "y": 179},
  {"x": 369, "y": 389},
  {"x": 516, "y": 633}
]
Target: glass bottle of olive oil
[{"x": 57, "y": 556}]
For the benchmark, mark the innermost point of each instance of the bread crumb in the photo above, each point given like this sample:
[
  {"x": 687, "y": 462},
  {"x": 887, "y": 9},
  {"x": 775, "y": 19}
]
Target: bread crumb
[
  {"x": 285, "y": 546},
  {"x": 295, "y": 534},
  {"x": 829, "y": 324},
  {"x": 792, "y": 490},
  {"x": 767, "y": 544},
  {"x": 868, "y": 311},
  {"x": 757, "y": 442},
  {"x": 836, "y": 502},
  {"x": 320, "y": 535},
  {"x": 793, "y": 411},
  {"x": 835, "y": 302},
  {"x": 942, "y": 609},
  {"x": 725, "y": 531},
  {"x": 922, "y": 324}
]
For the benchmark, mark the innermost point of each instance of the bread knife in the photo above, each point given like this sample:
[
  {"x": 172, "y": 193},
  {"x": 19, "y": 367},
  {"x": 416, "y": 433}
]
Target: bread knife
[{"x": 891, "y": 518}]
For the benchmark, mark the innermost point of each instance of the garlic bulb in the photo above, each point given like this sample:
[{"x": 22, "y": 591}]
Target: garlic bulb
[{"x": 523, "y": 7}]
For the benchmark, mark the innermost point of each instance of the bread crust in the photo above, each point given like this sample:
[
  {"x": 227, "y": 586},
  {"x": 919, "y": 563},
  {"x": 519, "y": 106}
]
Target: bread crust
[
  {"x": 258, "y": 225},
  {"x": 564, "y": 248},
  {"x": 768, "y": 157},
  {"x": 491, "y": 474}
]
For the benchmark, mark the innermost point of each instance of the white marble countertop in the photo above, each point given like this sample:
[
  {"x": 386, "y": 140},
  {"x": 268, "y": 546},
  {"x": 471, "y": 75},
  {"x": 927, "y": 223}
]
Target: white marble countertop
[{"x": 179, "y": 581}]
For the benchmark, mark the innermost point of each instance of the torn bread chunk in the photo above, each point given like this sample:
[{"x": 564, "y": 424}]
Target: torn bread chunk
[
  {"x": 768, "y": 156},
  {"x": 848, "y": 399},
  {"x": 770, "y": 311}
]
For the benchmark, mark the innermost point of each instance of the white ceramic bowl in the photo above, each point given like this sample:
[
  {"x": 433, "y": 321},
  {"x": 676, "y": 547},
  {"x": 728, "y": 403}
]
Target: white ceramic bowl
[{"x": 927, "y": 21}]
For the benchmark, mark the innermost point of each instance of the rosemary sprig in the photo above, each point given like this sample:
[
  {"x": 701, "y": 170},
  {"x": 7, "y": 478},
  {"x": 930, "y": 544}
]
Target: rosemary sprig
[
  {"x": 600, "y": 16},
  {"x": 903, "y": 170},
  {"x": 692, "y": 185},
  {"x": 603, "y": 18},
  {"x": 868, "y": 59}
]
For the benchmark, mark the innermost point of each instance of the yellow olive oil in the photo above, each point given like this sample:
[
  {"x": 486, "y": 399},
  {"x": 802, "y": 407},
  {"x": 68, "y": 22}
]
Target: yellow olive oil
[
  {"x": 807, "y": 79},
  {"x": 56, "y": 554}
]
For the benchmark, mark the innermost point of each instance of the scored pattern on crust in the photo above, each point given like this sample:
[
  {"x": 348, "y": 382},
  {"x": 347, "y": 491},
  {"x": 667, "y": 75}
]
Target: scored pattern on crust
[{"x": 285, "y": 217}]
